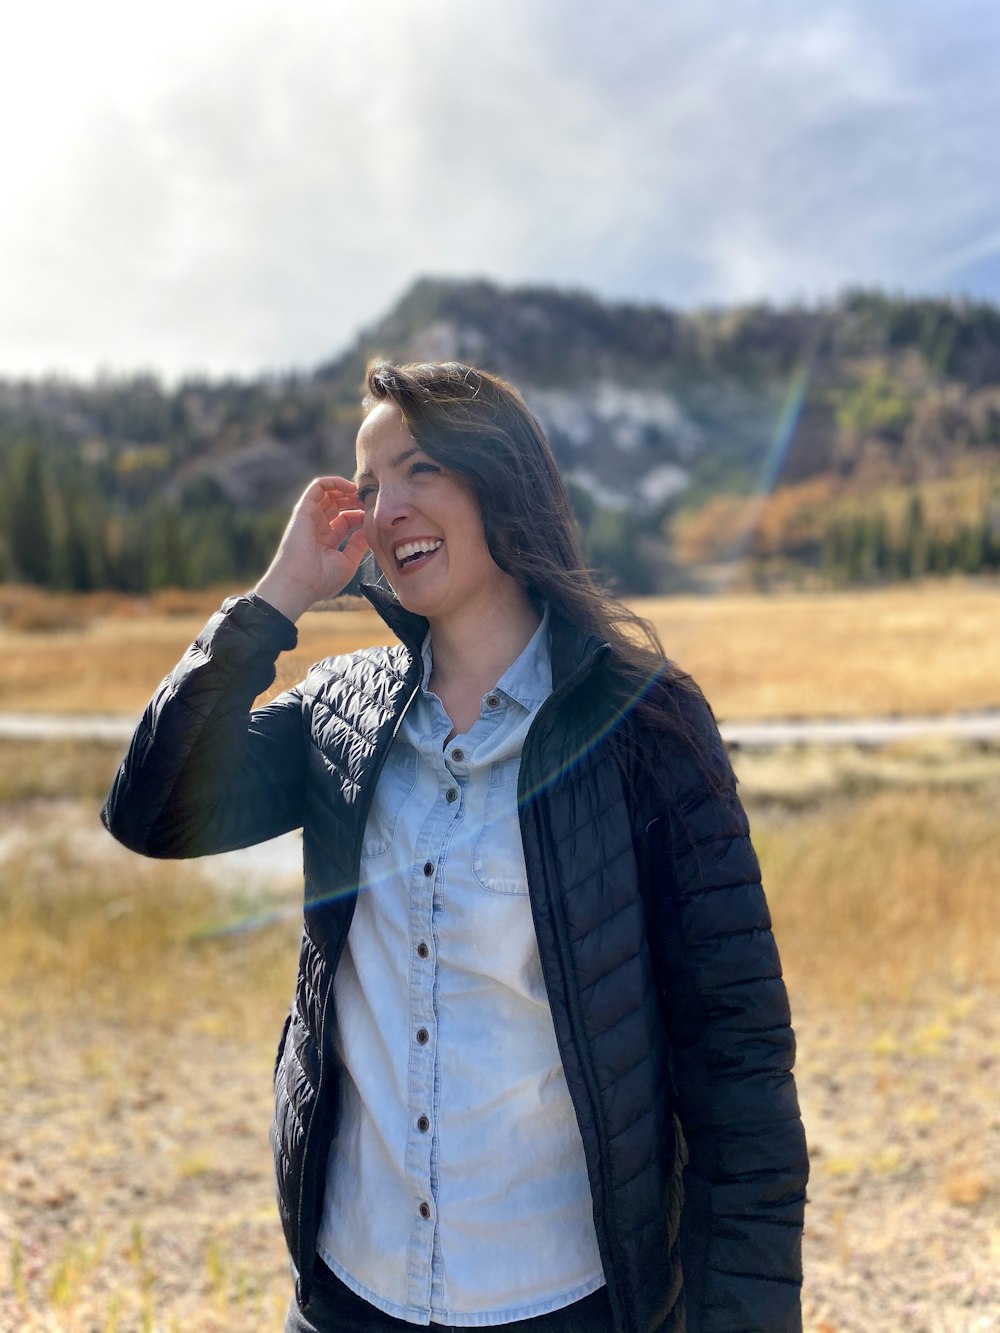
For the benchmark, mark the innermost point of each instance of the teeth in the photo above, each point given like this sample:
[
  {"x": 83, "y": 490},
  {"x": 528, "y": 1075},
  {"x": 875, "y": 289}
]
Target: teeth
[{"x": 407, "y": 549}]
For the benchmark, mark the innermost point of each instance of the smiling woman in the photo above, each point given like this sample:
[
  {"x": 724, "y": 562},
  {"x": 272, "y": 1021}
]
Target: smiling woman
[
  {"x": 424, "y": 526},
  {"x": 537, "y": 1068}
]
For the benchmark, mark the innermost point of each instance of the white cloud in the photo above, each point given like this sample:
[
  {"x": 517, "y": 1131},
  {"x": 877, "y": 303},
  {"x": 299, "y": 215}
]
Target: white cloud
[{"x": 235, "y": 184}]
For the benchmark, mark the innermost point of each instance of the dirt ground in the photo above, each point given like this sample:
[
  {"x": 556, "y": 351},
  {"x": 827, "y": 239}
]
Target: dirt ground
[
  {"x": 136, "y": 1191},
  {"x": 901, "y": 1112},
  {"x": 139, "y": 1194}
]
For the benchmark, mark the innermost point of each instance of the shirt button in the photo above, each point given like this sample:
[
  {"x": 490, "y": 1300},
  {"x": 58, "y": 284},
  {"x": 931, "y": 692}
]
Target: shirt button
[
  {"x": 428, "y": 868},
  {"x": 425, "y": 1211},
  {"x": 492, "y": 701},
  {"x": 422, "y": 950},
  {"x": 423, "y": 1036},
  {"x": 451, "y": 794},
  {"x": 423, "y": 1124},
  {"x": 458, "y": 755}
]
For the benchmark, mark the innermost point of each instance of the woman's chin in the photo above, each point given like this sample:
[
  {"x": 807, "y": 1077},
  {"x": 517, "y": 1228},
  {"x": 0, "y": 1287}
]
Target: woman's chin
[{"x": 407, "y": 596}]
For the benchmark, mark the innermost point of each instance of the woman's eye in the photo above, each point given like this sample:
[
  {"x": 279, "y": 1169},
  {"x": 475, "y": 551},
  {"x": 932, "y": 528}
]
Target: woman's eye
[{"x": 367, "y": 493}]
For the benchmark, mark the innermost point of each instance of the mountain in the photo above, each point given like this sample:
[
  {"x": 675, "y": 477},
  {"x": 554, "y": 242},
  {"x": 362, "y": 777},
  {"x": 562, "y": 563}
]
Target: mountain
[{"x": 686, "y": 437}]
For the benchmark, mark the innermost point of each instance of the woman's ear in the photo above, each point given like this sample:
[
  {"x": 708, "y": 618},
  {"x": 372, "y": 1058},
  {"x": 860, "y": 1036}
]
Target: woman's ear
[{"x": 503, "y": 547}]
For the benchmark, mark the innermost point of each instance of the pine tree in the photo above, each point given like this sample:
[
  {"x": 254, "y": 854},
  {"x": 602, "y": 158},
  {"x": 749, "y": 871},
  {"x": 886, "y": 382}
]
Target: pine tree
[
  {"x": 972, "y": 547},
  {"x": 166, "y": 565},
  {"x": 30, "y": 519},
  {"x": 81, "y": 564},
  {"x": 915, "y": 540}
]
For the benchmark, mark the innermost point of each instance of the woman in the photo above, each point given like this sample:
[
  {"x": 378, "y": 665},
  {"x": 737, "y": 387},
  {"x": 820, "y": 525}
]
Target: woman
[{"x": 537, "y": 1071}]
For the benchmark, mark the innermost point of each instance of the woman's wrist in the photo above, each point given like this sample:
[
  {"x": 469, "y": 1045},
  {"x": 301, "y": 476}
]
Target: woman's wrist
[{"x": 288, "y": 598}]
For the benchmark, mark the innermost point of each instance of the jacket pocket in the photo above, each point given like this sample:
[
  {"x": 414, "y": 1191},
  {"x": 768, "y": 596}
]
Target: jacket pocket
[
  {"x": 498, "y": 855},
  {"x": 395, "y": 783}
]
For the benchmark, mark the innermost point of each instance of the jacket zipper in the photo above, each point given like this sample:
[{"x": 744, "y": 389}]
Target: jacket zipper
[
  {"x": 571, "y": 992},
  {"x": 381, "y": 755}
]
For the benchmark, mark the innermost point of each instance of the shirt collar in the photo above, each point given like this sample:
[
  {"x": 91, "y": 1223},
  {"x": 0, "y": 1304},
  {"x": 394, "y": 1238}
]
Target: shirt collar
[{"x": 528, "y": 679}]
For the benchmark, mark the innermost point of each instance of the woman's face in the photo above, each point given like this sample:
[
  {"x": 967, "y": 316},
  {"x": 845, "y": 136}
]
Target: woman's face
[{"x": 423, "y": 523}]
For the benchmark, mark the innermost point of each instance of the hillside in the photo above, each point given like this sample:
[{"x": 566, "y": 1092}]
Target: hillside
[{"x": 853, "y": 442}]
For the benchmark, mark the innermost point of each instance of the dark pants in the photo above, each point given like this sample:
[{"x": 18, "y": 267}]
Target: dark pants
[{"x": 334, "y": 1308}]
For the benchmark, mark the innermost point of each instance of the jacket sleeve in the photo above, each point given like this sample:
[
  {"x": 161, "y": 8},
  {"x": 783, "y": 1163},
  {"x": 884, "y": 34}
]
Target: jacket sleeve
[
  {"x": 732, "y": 1048},
  {"x": 203, "y": 772}
]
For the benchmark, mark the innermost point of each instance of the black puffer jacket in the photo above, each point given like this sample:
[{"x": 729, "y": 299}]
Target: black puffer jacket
[{"x": 653, "y": 933}]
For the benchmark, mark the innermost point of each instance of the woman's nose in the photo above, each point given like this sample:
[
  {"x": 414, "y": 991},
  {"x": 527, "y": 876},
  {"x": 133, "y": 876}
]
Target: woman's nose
[{"x": 391, "y": 506}]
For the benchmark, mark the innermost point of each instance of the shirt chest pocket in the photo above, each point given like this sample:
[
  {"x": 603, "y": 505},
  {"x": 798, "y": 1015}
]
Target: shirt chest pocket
[
  {"x": 498, "y": 857},
  {"x": 395, "y": 784}
]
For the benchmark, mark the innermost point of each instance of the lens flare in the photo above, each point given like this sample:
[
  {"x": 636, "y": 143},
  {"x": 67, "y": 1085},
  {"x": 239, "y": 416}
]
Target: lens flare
[
  {"x": 244, "y": 925},
  {"x": 774, "y": 460}
]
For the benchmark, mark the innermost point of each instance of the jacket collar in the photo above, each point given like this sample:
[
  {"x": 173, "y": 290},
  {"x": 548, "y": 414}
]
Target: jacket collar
[{"x": 571, "y": 647}]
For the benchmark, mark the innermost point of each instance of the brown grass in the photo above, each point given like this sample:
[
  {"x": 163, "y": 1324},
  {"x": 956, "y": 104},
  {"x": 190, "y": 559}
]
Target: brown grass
[
  {"x": 113, "y": 665},
  {"x": 932, "y": 648},
  {"x": 877, "y": 898},
  {"x": 34, "y": 610},
  {"x": 140, "y": 1038},
  {"x": 136, "y": 1099},
  {"x": 803, "y": 777},
  {"x": 30, "y": 770},
  {"x": 111, "y": 927}
]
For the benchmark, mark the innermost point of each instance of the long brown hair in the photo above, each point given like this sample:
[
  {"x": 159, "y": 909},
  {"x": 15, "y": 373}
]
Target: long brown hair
[{"x": 478, "y": 425}]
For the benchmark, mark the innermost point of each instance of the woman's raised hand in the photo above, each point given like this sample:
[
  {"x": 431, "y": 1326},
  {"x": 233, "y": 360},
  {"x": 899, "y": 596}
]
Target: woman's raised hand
[{"x": 309, "y": 563}]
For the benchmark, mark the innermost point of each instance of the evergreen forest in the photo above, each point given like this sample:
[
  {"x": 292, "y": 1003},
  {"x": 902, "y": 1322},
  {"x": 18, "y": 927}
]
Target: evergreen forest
[{"x": 852, "y": 443}]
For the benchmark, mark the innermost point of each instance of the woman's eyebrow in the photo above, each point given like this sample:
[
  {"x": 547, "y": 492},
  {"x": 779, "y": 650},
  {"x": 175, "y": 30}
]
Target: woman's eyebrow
[{"x": 398, "y": 461}]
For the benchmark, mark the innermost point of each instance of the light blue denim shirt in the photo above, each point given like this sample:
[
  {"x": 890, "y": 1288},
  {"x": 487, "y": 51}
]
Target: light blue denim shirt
[{"x": 457, "y": 1186}]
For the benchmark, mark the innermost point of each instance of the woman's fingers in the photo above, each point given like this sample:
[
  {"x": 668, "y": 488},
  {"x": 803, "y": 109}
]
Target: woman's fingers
[
  {"x": 347, "y": 523},
  {"x": 324, "y": 494},
  {"x": 329, "y": 496},
  {"x": 328, "y": 490}
]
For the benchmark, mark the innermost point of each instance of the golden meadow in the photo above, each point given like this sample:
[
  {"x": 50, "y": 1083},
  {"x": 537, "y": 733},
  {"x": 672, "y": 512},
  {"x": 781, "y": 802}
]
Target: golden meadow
[
  {"x": 122, "y": 981},
  {"x": 878, "y": 850}
]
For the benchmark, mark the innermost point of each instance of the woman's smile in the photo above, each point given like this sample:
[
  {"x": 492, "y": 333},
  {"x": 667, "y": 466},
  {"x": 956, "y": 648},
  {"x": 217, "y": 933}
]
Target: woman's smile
[{"x": 414, "y": 553}]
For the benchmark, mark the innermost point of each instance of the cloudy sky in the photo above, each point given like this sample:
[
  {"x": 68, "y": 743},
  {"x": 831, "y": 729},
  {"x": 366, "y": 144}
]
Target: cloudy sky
[{"x": 234, "y": 185}]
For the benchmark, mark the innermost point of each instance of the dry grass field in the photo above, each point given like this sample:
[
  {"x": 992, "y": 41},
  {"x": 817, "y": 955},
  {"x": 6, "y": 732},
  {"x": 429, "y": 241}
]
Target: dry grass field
[
  {"x": 911, "y": 649},
  {"x": 140, "y": 1002},
  {"x": 931, "y": 648}
]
